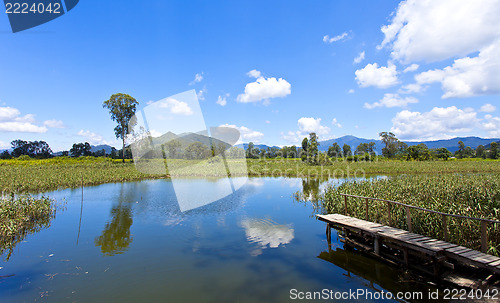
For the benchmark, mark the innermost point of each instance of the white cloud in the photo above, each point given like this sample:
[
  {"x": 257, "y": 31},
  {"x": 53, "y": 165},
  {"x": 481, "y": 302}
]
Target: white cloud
[
  {"x": 411, "y": 88},
  {"x": 426, "y": 30},
  {"x": 463, "y": 30},
  {"x": 381, "y": 77},
  {"x": 359, "y": 58},
  {"x": 197, "y": 78},
  {"x": 439, "y": 123},
  {"x": 93, "y": 138},
  {"x": 310, "y": 125},
  {"x": 469, "y": 76},
  {"x": 54, "y": 124},
  {"x": 492, "y": 126},
  {"x": 268, "y": 122},
  {"x": 336, "y": 123},
  {"x": 264, "y": 89},
  {"x": 201, "y": 93},
  {"x": 12, "y": 121},
  {"x": 411, "y": 68},
  {"x": 221, "y": 101},
  {"x": 306, "y": 126},
  {"x": 328, "y": 39},
  {"x": 351, "y": 91},
  {"x": 254, "y": 74},
  {"x": 176, "y": 107},
  {"x": 487, "y": 108},
  {"x": 391, "y": 100},
  {"x": 246, "y": 134}
]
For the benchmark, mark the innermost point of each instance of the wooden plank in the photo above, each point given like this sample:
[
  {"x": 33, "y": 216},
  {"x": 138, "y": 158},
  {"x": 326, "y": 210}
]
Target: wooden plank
[
  {"x": 444, "y": 245},
  {"x": 470, "y": 254},
  {"x": 458, "y": 249},
  {"x": 495, "y": 263},
  {"x": 483, "y": 258}
]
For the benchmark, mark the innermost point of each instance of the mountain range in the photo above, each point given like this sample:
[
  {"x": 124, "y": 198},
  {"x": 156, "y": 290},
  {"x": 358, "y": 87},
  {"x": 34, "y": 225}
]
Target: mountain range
[
  {"x": 450, "y": 144},
  {"x": 186, "y": 139}
]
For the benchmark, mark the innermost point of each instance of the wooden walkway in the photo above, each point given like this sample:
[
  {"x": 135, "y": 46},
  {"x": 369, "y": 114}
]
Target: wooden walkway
[{"x": 410, "y": 249}]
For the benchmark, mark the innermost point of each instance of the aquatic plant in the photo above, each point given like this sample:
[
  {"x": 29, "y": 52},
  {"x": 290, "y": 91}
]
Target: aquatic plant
[
  {"x": 472, "y": 195},
  {"x": 21, "y": 216}
]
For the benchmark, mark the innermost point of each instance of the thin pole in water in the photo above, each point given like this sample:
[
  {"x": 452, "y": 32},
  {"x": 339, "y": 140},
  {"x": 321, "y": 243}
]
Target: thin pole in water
[{"x": 81, "y": 211}]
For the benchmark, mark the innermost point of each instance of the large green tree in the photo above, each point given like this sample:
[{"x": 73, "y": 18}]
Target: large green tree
[
  {"x": 312, "y": 149},
  {"x": 122, "y": 108},
  {"x": 334, "y": 151},
  {"x": 391, "y": 144}
]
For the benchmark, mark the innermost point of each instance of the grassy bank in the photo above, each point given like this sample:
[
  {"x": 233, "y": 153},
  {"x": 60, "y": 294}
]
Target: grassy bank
[
  {"x": 21, "y": 216},
  {"x": 470, "y": 195},
  {"x": 41, "y": 175}
]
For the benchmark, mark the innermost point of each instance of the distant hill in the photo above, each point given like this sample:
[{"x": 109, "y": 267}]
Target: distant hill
[
  {"x": 351, "y": 141},
  {"x": 106, "y": 147},
  {"x": 450, "y": 144},
  {"x": 245, "y": 146}
]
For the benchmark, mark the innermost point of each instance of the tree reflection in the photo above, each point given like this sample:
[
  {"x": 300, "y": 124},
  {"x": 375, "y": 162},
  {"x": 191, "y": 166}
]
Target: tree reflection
[
  {"x": 310, "y": 189},
  {"x": 116, "y": 238}
]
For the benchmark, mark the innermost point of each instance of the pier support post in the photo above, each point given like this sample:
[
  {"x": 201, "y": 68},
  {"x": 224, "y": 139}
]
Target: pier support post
[
  {"x": 484, "y": 236},
  {"x": 376, "y": 245},
  {"x": 328, "y": 234}
]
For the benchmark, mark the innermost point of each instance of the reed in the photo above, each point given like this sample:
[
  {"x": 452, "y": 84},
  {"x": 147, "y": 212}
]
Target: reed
[
  {"x": 21, "y": 216},
  {"x": 472, "y": 195}
]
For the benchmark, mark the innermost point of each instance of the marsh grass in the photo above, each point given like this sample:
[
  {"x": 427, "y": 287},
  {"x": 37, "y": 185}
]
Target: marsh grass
[
  {"x": 472, "y": 195},
  {"x": 21, "y": 216},
  {"x": 32, "y": 175}
]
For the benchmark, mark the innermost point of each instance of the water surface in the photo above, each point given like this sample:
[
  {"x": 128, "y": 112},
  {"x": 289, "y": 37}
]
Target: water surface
[{"x": 131, "y": 243}]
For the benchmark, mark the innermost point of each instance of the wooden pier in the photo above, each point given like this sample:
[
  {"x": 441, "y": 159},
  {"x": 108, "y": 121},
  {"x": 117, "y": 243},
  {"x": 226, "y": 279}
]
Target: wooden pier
[{"x": 432, "y": 256}]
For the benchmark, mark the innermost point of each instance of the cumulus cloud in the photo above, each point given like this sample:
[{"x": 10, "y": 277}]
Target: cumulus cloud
[
  {"x": 411, "y": 68},
  {"x": 373, "y": 75},
  {"x": 469, "y": 76},
  {"x": 264, "y": 89},
  {"x": 439, "y": 123},
  {"x": 492, "y": 126},
  {"x": 391, "y": 100},
  {"x": 359, "y": 58},
  {"x": 426, "y": 30},
  {"x": 306, "y": 126},
  {"x": 12, "y": 121},
  {"x": 54, "y": 124},
  {"x": 176, "y": 107},
  {"x": 310, "y": 125},
  {"x": 221, "y": 101},
  {"x": 487, "y": 108},
  {"x": 254, "y": 74},
  {"x": 246, "y": 134},
  {"x": 93, "y": 138},
  {"x": 463, "y": 30},
  {"x": 197, "y": 78},
  {"x": 329, "y": 40}
]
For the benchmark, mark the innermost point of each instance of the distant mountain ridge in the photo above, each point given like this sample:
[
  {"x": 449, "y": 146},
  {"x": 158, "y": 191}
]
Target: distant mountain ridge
[
  {"x": 450, "y": 144},
  {"x": 353, "y": 142}
]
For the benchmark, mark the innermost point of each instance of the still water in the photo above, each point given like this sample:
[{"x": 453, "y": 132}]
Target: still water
[{"x": 129, "y": 242}]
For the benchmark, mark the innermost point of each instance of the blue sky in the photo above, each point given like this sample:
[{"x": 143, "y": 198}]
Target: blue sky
[{"x": 276, "y": 70}]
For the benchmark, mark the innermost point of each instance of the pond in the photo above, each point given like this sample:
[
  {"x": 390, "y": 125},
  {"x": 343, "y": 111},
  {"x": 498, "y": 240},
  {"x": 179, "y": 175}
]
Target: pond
[{"x": 130, "y": 242}]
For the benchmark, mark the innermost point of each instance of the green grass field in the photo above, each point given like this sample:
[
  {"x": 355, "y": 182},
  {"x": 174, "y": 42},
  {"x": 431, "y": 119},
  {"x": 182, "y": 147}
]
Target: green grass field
[{"x": 62, "y": 172}]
